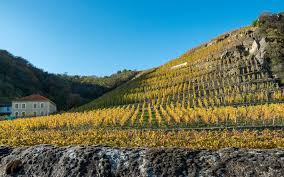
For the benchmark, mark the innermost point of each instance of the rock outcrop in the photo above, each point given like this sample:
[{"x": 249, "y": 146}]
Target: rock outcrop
[{"x": 47, "y": 160}]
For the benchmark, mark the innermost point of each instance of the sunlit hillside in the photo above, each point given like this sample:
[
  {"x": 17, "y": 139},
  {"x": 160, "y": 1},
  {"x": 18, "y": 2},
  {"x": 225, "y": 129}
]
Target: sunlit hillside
[
  {"x": 234, "y": 81},
  {"x": 227, "y": 71}
]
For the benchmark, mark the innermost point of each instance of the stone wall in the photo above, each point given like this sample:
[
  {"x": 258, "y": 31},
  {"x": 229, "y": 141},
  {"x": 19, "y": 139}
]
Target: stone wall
[{"x": 47, "y": 160}]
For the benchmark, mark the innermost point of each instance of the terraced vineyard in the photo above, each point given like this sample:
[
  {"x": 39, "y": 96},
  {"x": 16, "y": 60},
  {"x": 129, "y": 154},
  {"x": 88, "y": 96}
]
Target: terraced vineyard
[
  {"x": 231, "y": 81},
  {"x": 223, "y": 72},
  {"x": 155, "y": 117},
  {"x": 120, "y": 126}
]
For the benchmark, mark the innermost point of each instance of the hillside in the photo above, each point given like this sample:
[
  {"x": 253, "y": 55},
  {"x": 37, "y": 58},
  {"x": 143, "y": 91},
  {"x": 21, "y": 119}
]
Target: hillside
[
  {"x": 20, "y": 78},
  {"x": 224, "y": 93},
  {"x": 242, "y": 67}
]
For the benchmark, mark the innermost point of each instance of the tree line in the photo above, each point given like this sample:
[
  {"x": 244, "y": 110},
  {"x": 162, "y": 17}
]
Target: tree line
[{"x": 19, "y": 78}]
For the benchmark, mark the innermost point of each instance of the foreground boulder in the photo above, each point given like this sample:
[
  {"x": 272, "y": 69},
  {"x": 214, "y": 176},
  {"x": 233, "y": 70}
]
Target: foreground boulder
[{"x": 47, "y": 160}]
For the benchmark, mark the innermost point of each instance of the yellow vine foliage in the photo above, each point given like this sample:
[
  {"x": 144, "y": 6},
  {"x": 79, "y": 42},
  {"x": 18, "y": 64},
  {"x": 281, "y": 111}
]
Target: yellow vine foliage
[{"x": 106, "y": 127}]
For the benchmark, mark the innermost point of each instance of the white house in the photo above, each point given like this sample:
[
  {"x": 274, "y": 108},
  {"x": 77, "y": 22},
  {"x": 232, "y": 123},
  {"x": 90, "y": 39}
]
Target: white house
[{"x": 33, "y": 105}]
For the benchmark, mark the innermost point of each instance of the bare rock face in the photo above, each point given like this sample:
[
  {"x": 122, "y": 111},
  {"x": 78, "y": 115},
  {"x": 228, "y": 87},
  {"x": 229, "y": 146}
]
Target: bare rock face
[
  {"x": 258, "y": 49},
  {"x": 47, "y": 160},
  {"x": 254, "y": 47}
]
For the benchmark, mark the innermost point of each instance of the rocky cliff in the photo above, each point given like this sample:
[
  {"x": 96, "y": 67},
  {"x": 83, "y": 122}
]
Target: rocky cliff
[{"x": 47, "y": 160}]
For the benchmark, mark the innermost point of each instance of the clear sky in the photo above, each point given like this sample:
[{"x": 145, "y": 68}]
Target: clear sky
[{"x": 99, "y": 37}]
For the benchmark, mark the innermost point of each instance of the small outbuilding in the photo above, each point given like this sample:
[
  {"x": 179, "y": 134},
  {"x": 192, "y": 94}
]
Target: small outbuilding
[{"x": 5, "y": 109}]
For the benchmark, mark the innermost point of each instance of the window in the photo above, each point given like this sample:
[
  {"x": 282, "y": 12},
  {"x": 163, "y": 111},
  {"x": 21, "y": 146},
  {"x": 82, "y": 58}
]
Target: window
[
  {"x": 23, "y": 114},
  {"x": 34, "y": 113},
  {"x": 23, "y": 106},
  {"x": 17, "y": 106},
  {"x": 16, "y": 114},
  {"x": 34, "y": 105},
  {"x": 41, "y": 105},
  {"x": 42, "y": 113}
]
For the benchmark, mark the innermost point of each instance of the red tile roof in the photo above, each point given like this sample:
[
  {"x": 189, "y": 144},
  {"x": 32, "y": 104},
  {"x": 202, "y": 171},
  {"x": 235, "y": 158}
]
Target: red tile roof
[{"x": 34, "y": 97}]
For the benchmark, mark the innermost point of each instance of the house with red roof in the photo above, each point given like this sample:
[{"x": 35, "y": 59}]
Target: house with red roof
[{"x": 32, "y": 106}]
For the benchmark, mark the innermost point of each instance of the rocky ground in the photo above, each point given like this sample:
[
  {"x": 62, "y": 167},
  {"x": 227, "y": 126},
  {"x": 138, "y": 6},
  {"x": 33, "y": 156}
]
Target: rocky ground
[{"x": 47, "y": 160}]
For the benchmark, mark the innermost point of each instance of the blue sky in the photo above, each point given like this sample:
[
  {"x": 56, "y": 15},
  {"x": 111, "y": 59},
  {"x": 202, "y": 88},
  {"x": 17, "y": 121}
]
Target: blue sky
[{"x": 99, "y": 37}]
